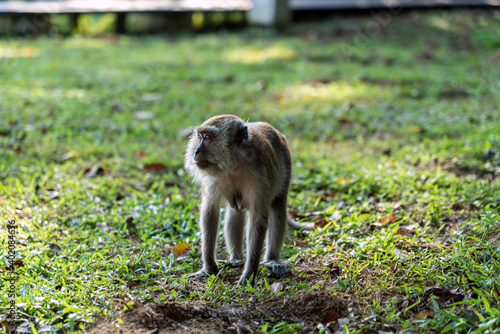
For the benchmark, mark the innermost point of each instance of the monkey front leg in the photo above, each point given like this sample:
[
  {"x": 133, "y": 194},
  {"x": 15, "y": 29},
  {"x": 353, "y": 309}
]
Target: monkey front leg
[
  {"x": 209, "y": 225},
  {"x": 256, "y": 235}
]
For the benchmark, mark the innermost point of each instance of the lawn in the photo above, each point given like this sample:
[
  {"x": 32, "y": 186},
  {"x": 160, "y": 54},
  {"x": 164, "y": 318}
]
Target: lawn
[{"x": 395, "y": 136}]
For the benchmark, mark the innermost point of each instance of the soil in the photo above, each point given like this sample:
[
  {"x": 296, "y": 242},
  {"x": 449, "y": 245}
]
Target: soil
[{"x": 307, "y": 309}]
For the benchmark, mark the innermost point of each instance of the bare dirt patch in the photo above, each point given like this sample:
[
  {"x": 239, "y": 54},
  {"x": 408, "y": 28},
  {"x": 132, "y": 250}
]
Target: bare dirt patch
[{"x": 306, "y": 308}]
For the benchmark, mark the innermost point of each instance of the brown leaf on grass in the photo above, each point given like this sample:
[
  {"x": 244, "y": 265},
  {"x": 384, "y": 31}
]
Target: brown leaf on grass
[
  {"x": 330, "y": 317},
  {"x": 277, "y": 287},
  {"x": 179, "y": 249},
  {"x": 70, "y": 155},
  {"x": 403, "y": 232},
  {"x": 388, "y": 218},
  {"x": 345, "y": 120},
  {"x": 295, "y": 214},
  {"x": 330, "y": 195},
  {"x": 424, "y": 314},
  {"x": 278, "y": 97},
  {"x": 394, "y": 265},
  {"x": 321, "y": 222},
  {"x": 16, "y": 264},
  {"x": 133, "y": 283},
  {"x": 157, "y": 167},
  {"x": 141, "y": 153}
]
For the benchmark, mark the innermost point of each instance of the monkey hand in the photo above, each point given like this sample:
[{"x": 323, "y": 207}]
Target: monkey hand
[{"x": 278, "y": 269}]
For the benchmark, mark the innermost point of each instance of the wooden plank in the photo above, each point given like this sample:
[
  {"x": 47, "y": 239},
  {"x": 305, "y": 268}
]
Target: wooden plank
[
  {"x": 124, "y": 6},
  {"x": 121, "y": 6},
  {"x": 364, "y": 4}
]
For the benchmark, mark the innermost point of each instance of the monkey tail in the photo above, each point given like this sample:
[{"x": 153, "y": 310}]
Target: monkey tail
[{"x": 305, "y": 226}]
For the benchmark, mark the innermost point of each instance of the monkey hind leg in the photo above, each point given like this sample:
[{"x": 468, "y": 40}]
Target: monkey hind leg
[
  {"x": 278, "y": 269},
  {"x": 275, "y": 236},
  {"x": 234, "y": 226}
]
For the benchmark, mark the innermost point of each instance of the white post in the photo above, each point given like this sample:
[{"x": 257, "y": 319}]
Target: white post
[{"x": 269, "y": 13}]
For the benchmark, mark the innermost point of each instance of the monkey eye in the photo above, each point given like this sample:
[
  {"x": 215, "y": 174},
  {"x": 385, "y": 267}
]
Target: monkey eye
[
  {"x": 207, "y": 136},
  {"x": 200, "y": 137}
]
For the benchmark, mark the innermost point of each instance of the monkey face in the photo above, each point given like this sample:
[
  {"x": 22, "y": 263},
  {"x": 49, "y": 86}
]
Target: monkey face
[
  {"x": 217, "y": 147},
  {"x": 201, "y": 153}
]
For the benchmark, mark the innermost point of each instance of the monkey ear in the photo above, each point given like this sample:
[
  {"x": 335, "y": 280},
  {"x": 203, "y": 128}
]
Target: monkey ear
[{"x": 241, "y": 133}]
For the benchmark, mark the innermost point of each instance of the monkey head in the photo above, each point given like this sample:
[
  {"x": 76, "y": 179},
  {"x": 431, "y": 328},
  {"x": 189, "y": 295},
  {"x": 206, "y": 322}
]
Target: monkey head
[{"x": 217, "y": 146}]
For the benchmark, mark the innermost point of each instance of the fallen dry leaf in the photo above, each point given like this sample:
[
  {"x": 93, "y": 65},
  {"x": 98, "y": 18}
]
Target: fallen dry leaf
[
  {"x": 403, "y": 232},
  {"x": 342, "y": 180},
  {"x": 155, "y": 167},
  {"x": 179, "y": 249},
  {"x": 388, "y": 218},
  {"x": 141, "y": 153},
  {"x": 321, "y": 222},
  {"x": 424, "y": 314},
  {"x": 16, "y": 264},
  {"x": 330, "y": 195},
  {"x": 330, "y": 317},
  {"x": 394, "y": 265}
]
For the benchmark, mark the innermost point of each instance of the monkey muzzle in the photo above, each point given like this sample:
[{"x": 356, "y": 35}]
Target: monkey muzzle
[{"x": 202, "y": 164}]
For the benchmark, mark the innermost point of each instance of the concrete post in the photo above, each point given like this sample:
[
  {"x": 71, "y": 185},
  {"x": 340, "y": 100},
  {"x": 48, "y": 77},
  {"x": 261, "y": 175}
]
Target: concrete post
[{"x": 269, "y": 13}]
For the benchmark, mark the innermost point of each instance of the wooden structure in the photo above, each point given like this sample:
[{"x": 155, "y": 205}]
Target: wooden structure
[{"x": 262, "y": 12}]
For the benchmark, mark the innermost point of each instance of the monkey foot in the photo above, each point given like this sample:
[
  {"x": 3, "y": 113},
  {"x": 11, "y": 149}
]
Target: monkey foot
[
  {"x": 200, "y": 273},
  {"x": 278, "y": 269}
]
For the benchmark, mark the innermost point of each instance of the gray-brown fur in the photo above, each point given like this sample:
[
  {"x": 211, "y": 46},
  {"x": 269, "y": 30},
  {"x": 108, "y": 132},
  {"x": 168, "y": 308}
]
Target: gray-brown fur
[{"x": 249, "y": 166}]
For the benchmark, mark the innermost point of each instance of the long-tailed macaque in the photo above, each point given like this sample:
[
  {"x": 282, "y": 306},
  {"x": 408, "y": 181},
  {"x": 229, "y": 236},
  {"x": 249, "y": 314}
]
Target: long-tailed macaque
[{"x": 249, "y": 165}]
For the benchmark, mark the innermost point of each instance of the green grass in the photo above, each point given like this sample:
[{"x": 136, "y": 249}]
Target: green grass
[{"x": 395, "y": 139}]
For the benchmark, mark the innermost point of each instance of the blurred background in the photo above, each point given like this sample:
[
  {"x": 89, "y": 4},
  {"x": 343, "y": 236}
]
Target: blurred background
[{"x": 56, "y": 17}]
